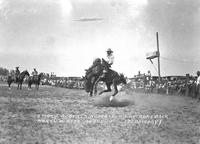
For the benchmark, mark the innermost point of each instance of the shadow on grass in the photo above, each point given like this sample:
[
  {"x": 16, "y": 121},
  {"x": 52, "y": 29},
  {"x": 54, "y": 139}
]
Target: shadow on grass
[{"x": 105, "y": 102}]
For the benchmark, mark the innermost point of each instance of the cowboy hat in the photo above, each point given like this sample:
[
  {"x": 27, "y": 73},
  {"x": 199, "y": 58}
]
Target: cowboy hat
[{"x": 109, "y": 50}]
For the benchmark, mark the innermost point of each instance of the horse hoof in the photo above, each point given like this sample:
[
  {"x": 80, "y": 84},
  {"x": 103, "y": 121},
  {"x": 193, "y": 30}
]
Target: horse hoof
[{"x": 111, "y": 98}]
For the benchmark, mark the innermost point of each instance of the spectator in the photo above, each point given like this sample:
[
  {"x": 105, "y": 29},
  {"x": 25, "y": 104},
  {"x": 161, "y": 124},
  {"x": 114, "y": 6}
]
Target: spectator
[
  {"x": 148, "y": 75},
  {"x": 198, "y": 85}
]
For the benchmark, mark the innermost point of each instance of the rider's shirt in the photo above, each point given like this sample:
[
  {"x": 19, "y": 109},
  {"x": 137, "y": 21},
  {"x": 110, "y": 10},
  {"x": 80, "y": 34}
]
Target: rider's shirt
[
  {"x": 110, "y": 59},
  {"x": 17, "y": 72}
]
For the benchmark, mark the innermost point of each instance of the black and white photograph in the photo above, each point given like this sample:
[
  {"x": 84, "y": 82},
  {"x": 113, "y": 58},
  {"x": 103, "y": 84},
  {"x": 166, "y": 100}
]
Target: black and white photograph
[{"x": 99, "y": 72}]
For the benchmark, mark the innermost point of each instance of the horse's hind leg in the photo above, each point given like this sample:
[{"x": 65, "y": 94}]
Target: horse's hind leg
[
  {"x": 115, "y": 88},
  {"x": 107, "y": 90},
  {"x": 20, "y": 86},
  {"x": 37, "y": 86},
  {"x": 9, "y": 86}
]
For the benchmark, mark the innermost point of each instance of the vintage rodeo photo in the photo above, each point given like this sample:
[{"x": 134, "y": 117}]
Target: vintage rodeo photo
[{"x": 99, "y": 71}]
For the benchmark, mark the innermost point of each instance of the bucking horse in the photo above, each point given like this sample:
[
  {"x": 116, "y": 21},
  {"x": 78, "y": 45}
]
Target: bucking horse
[
  {"x": 17, "y": 79},
  {"x": 93, "y": 77},
  {"x": 35, "y": 80}
]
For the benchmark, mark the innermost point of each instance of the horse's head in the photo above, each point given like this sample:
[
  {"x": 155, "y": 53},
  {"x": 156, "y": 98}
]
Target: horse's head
[
  {"x": 104, "y": 62},
  {"x": 40, "y": 75},
  {"x": 25, "y": 73},
  {"x": 122, "y": 79}
]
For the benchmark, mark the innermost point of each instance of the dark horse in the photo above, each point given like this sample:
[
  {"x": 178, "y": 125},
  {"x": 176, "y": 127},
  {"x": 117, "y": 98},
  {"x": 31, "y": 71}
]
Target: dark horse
[
  {"x": 17, "y": 79},
  {"x": 111, "y": 78},
  {"x": 92, "y": 74},
  {"x": 34, "y": 80}
]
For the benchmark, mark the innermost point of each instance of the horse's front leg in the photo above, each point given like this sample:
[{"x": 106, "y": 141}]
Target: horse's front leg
[
  {"x": 9, "y": 87},
  {"x": 93, "y": 80},
  {"x": 91, "y": 88},
  {"x": 37, "y": 86},
  {"x": 95, "y": 85},
  {"x": 20, "y": 86},
  {"x": 29, "y": 87}
]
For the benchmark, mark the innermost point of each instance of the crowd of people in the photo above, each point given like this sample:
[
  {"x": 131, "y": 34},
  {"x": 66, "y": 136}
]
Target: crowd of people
[
  {"x": 65, "y": 82},
  {"x": 173, "y": 85}
]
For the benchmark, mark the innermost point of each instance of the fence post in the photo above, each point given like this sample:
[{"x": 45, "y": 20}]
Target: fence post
[{"x": 186, "y": 85}]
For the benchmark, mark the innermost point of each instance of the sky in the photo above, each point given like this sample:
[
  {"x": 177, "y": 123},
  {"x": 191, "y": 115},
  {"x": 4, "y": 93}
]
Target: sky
[{"x": 65, "y": 36}]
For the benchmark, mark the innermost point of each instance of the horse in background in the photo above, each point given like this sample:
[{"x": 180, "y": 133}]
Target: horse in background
[
  {"x": 35, "y": 80},
  {"x": 17, "y": 79}
]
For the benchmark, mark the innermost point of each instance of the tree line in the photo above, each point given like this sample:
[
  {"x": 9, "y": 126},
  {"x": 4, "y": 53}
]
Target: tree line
[{"x": 4, "y": 71}]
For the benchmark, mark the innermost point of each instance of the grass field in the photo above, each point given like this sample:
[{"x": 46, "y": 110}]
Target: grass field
[{"x": 57, "y": 115}]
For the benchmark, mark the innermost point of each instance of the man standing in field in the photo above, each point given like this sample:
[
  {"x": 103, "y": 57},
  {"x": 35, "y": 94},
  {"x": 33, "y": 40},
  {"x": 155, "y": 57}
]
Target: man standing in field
[{"x": 198, "y": 85}]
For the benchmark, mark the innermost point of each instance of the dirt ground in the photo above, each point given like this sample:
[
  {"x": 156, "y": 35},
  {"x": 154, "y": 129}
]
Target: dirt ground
[{"x": 61, "y": 116}]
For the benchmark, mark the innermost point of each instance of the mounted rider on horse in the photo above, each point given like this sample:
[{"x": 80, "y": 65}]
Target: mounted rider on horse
[
  {"x": 34, "y": 73},
  {"x": 17, "y": 73},
  {"x": 100, "y": 71},
  {"x": 35, "y": 79},
  {"x": 17, "y": 77},
  {"x": 96, "y": 62}
]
